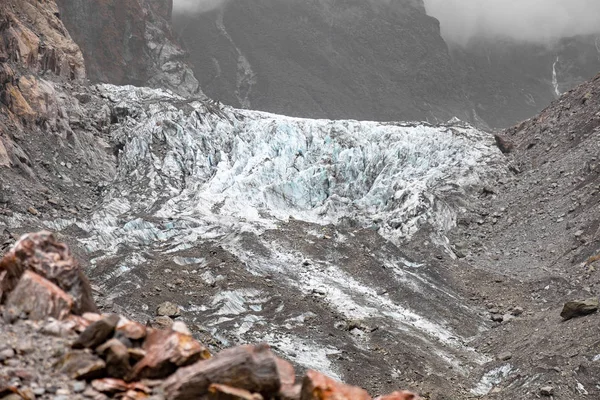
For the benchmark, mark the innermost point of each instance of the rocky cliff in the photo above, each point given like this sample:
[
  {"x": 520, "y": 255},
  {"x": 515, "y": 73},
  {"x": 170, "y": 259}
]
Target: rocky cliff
[
  {"x": 325, "y": 59},
  {"x": 129, "y": 42},
  {"x": 373, "y": 60}
]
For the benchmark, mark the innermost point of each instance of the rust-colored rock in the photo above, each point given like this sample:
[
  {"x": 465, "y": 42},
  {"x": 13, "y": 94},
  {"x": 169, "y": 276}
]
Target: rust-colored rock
[
  {"x": 97, "y": 333},
  {"x": 253, "y": 368},
  {"x": 111, "y": 386},
  {"x": 224, "y": 392},
  {"x": 43, "y": 254},
  {"x": 287, "y": 375},
  {"x": 403, "y": 395},
  {"x": 165, "y": 352},
  {"x": 317, "y": 386},
  {"x": 117, "y": 358},
  {"x": 290, "y": 392},
  {"x": 131, "y": 330},
  {"x": 39, "y": 298},
  {"x": 80, "y": 364}
]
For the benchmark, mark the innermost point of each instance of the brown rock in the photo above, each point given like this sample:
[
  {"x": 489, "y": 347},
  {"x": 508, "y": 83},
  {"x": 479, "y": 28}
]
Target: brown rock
[
  {"x": 285, "y": 370},
  {"x": 224, "y": 392},
  {"x": 117, "y": 358},
  {"x": 52, "y": 260},
  {"x": 403, "y": 395},
  {"x": 253, "y": 368},
  {"x": 579, "y": 308},
  {"x": 317, "y": 386},
  {"x": 168, "y": 309},
  {"x": 97, "y": 333},
  {"x": 136, "y": 354},
  {"x": 112, "y": 386},
  {"x": 39, "y": 298},
  {"x": 131, "y": 330},
  {"x": 79, "y": 364},
  {"x": 163, "y": 322},
  {"x": 165, "y": 352},
  {"x": 290, "y": 392}
]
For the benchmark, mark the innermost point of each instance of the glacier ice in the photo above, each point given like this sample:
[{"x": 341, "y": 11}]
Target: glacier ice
[
  {"x": 239, "y": 165},
  {"x": 191, "y": 172}
]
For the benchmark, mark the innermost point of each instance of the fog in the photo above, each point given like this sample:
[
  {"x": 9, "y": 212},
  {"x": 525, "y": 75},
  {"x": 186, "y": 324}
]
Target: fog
[
  {"x": 196, "y": 6},
  {"x": 539, "y": 21}
]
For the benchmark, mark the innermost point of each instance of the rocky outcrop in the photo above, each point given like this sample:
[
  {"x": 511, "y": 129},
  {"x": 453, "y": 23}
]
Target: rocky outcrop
[
  {"x": 167, "y": 363},
  {"x": 129, "y": 42}
]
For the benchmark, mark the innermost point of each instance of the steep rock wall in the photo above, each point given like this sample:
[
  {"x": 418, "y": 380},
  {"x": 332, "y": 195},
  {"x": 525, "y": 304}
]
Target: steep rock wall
[{"x": 129, "y": 42}]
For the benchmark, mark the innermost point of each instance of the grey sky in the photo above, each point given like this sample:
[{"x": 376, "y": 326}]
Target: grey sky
[{"x": 531, "y": 20}]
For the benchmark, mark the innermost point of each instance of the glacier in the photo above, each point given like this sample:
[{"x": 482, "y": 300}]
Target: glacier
[{"x": 315, "y": 216}]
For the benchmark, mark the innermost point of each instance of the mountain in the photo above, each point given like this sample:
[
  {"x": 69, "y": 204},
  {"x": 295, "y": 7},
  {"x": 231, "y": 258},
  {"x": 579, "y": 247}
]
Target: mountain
[
  {"x": 510, "y": 81},
  {"x": 435, "y": 257},
  {"x": 325, "y": 59},
  {"x": 129, "y": 42},
  {"x": 373, "y": 60}
]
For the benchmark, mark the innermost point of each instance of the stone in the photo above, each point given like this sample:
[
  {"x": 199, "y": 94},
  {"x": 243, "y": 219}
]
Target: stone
[
  {"x": 547, "y": 391},
  {"x": 317, "y": 386},
  {"x": 402, "y": 395},
  {"x": 504, "y": 356},
  {"x": 285, "y": 370},
  {"x": 224, "y": 392},
  {"x": 179, "y": 326},
  {"x": 253, "y": 368},
  {"x": 55, "y": 328},
  {"x": 517, "y": 311},
  {"x": 116, "y": 356},
  {"x": 80, "y": 364},
  {"x": 131, "y": 330},
  {"x": 162, "y": 322},
  {"x": 497, "y": 317},
  {"x": 111, "y": 386},
  {"x": 579, "y": 308},
  {"x": 39, "y": 298},
  {"x": 168, "y": 309},
  {"x": 165, "y": 352},
  {"x": 78, "y": 387},
  {"x": 97, "y": 333},
  {"x": 6, "y": 353},
  {"x": 290, "y": 392},
  {"x": 42, "y": 254}
]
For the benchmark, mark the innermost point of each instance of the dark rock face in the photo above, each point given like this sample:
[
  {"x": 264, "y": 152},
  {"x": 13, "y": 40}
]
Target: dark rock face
[
  {"x": 129, "y": 42},
  {"x": 348, "y": 59},
  {"x": 353, "y": 59},
  {"x": 511, "y": 81}
]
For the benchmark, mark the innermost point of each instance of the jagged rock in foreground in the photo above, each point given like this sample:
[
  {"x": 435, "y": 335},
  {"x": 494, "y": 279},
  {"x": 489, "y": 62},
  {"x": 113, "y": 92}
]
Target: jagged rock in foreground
[{"x": 114, "y": 357}]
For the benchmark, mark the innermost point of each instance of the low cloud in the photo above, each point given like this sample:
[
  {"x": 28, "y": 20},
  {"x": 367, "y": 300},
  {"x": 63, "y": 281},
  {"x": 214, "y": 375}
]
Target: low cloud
[
  {"x": 196, "y": 6},
  {"x": 539, "y": 21}
]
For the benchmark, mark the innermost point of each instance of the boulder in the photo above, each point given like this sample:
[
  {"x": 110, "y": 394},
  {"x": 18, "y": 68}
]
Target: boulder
[
  {"x": 224, "y": 392},
  {"x": 80, "y": 364},
  {"x": 168, "y": 309},
  {"x": 317, "y": 386},
  {"x": 165, "y": 352},
  {"x": 41, "y": 253},
  {"x": 579, "y": 308},
  {"x": 97, "y": 333},
  {"x": 39, "y": 298},
  {"x": 117, "y": 358},
  {"x": 252, "y": 368}
]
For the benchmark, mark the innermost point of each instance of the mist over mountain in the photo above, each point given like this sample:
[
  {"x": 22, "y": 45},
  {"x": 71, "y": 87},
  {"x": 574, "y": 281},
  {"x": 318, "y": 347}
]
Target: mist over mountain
[{"x": 534, "y": 21}]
